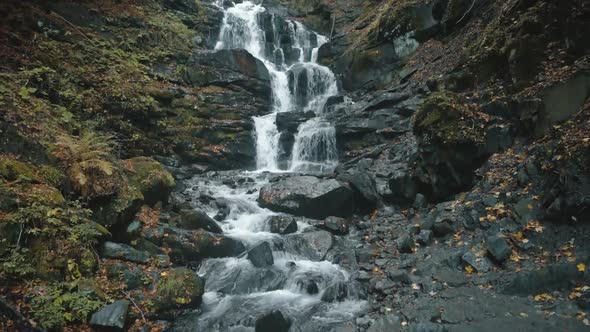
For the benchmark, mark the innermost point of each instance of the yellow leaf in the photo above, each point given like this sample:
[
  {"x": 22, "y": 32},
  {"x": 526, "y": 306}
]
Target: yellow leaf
[
  {"x": 581, "y": 267},
  {"x": 469, "y": 269},
  {"x": 544, "y": 298}
]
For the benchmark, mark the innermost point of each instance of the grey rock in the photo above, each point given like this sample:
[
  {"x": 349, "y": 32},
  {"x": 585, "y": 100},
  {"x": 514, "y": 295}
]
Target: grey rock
[
  {"x": 124, "y": 252},
  {"x": 272, "y": 322},
  {"x": 335, "y": 293},
  {"x": 308, "y": 196},
  {"x": 335, "y": 225},
  {"x": 498, "y": 248},
  {"x": 386, "y": 323},
  {"x": 111, "y": 316},
  {"x": 283, "y": 224},
  {"x": 405, "y": 244},
  {"x": 480, "y": 264},
  {"x": 424, "y": 237},
  {"x": 399, "y": 276},
  {"x": 197, "y": 219},
  {"x": 261, "y": 255}
]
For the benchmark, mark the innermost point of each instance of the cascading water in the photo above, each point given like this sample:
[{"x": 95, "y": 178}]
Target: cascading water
[
  {"x": 304, "y": 85},
  {"x": 237, "y": 292}
]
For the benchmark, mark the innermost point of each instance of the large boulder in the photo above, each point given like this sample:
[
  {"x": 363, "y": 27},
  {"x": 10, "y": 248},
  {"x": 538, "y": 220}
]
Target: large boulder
[
  {"x": 180, "y": 287},
  {"x": 151, "y": 178},
  {"x": 194, "y": 245},
  {"x": 308, "y": 196},
  {"x": 282, "y": 224},
  {"x": 261, "y": 255},
  {"x": 454, "y": 139},
  {"x": 112, "y": 316},
  {"x": 272, "y": 322},
  {"x": 366, "y": 196},
  {"x": 197, "y": 219}
]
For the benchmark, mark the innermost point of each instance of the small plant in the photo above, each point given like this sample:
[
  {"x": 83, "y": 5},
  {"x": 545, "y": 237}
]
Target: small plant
[
  {"x": 56, "y": 305},
  {"x": 87, "y": 159}
]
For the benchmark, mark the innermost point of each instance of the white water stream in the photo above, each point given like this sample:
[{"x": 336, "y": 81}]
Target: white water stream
[{"x": 237, "y": 292}]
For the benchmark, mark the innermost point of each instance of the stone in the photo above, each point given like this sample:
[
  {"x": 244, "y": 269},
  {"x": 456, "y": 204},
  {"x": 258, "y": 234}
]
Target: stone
[
  {"x": 261, "y": 255},
  {"x": 386, "y": 323},
  {"x": 309, "y": 286},
  {"x": 366, "y": 196},
  {"x": 335, "y": 293},
  {"x": 498, "y": 248},
  {"x": 194, "y": 245},
  {"x": 399, "y": 276},
  {"x": 151, "y": 178},
  {"x": 424, "y": 237},
  {"x": 272, "y": 322},
  {"x": 132, "y": 276},
  {"x": 308, "y": 196},
  {"x": 180, "y": 287},
  {"x": 197, "y": 219},
  {"x": 405, "y": 244},
  {"x": 283, "y": 224},
  {"x": 124, "y": 252},
  {"x": 480, "y": 264},
  {"x": 335, "y": 225},
  {"x": 113, "y": 316}
]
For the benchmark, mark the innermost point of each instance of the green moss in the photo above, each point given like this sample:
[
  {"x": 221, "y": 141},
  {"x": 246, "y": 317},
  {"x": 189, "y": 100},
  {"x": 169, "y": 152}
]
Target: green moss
[
  {"x": 446, "y": 118},
  {"x": 179, "y": 287},
  {"x": 12, "y": 170}
]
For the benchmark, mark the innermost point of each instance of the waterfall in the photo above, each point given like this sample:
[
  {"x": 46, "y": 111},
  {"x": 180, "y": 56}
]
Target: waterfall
[{"x": 298, "y": 84}]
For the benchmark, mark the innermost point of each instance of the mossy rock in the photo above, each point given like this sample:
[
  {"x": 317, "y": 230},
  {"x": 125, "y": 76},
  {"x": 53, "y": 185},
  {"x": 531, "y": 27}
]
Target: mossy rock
[
  {"x": 12, "y": 170},
  {"x": 180, "y": 287},
  {"x": 150, "y": 177},
  {"x": 445, "y": 118}
]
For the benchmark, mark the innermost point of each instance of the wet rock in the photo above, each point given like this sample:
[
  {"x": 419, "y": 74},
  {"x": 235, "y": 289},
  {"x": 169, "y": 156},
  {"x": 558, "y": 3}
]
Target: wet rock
[
  {"x": 424, "y": 237},
  {"x": 565, "y": 99},
  {"x": 113, "y": 316},
  {"x": 177, "y": 288},
  {"x": 399, "y": 276},
  {"x": 195, "y": 245},
  {"x": 308, "y": 196},
  {"x": 553, "y": 277},
  {"x": 366, "y": 197},
  {"x": 290, "y": 121},
  {"x": 453, "y": 278},
  {"x": 335, "y": 225},
  {"x": 124, "y": 252},
  {"x": 309, "y": 286},
  {"x": 151, "y": 178},
  {"x": 386, "y": 323},
  {"x": 261, "y": 255},
  {"x": 420, "y": 202},
  {"x": 132, "y": 276},
  {"x": 498, "y": 248},
  {"x": 335, "y": 293},
  {"x": 405, "y": 244},
  {"x": 480, "y": 264},
  {"x": 273, "y": 322},
  {"x": 197, "y": 219},
  {"x": 283, "y": 224}
]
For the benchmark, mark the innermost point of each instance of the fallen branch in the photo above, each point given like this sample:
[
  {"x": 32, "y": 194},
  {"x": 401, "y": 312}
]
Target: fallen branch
[
  {"x": 467, "y": 12},
  {"x": 136, "y": 306},
  {"x": 74, "y": 27}
]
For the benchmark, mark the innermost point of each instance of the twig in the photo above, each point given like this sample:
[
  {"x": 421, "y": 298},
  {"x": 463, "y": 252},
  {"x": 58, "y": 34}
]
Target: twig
[
  {"x": 467, "y": 12},
  {"x": 20, "y": 233},
  {"x": 136, "y": 306},
  {"x": 333, "y": 23},
  {"x": 73, "y": 26}
]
